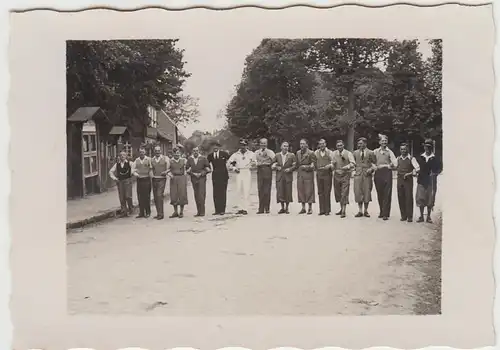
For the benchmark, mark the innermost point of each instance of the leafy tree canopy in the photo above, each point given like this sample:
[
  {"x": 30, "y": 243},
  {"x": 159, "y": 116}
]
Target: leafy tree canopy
[{"x": 125, "y": 76}]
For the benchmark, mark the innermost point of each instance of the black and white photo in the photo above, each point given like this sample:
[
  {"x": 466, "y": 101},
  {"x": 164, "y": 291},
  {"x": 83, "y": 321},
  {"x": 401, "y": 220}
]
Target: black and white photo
[{"x": 334, "y": 123}]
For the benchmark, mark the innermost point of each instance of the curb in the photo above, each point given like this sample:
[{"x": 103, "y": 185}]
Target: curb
[{"x": 107, "y": 214}]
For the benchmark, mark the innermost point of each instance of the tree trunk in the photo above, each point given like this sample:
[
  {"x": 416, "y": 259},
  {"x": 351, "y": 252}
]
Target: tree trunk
[{"x": 350, "y": 117}]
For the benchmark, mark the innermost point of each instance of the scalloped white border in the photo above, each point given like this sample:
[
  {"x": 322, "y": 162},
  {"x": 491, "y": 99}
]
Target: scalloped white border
[{"x": 65, "y": 5}]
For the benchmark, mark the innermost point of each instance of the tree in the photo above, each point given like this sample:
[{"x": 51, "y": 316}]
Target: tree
[
  {"x": 333, "y": 88},
  {"x": 183, "y": 110},
  {"x": 274, "y": 93},
  {"x": 123, "y": 77},
  {"x": 351, "y": 63}
]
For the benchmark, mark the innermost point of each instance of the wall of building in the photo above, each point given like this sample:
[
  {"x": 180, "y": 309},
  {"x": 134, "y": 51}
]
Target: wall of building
[{"x": 166, "y": 125}]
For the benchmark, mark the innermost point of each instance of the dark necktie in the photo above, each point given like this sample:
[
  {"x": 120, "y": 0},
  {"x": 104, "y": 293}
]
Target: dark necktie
[{"x": 362, "y": 155}]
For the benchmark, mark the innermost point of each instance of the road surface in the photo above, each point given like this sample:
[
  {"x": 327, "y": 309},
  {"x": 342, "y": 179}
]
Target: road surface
[{"x": 256, "y": 264}]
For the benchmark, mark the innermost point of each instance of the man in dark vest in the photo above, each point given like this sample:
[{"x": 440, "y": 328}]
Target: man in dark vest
[
  {"x": 198, "y": 167},
  {"x": 324, "y": 166},
  {"x": 159, "y": 166},
  {"x": 343, "y": 163},
  {"x": 407, "y": 167},
  {"x": 142, "y": 171},
  {"x": 121, "y": 172},
  {"x": 305, "y": 176},
  {"x": 220, "y": 177},
  {"x": 284, "y": 165}
]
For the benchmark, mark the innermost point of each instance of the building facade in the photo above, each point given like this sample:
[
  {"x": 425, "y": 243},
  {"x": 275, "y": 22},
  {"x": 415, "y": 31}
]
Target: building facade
[{"x": 94, "y": 143}]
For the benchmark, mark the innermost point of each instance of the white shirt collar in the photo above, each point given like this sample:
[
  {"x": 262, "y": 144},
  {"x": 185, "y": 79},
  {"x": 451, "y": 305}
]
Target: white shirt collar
[{"x": 428, "y": 156}]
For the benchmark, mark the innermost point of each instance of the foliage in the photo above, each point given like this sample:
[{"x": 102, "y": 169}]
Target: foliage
[
  {"x": 183, "y": 110},
  {"x": 124, "y": 76},
  {"x": 338, "y": 88}
]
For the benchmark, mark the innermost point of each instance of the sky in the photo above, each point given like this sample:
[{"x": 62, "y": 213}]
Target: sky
[{"x": 216, "y": 66}]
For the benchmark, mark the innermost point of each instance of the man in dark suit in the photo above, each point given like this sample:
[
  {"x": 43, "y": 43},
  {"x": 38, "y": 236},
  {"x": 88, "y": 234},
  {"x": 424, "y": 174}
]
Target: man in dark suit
[{"x": 220, "y": 177}]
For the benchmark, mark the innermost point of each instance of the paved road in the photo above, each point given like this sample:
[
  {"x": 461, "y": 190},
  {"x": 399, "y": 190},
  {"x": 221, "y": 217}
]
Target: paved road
[{"x": 255, "y": 265}]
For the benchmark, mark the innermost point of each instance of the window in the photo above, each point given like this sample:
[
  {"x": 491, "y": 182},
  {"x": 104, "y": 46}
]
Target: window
[
  {"x": 111, "y": 154},
  {"x": 89, "y": 147},
  {"x": 127, "y": 147}
]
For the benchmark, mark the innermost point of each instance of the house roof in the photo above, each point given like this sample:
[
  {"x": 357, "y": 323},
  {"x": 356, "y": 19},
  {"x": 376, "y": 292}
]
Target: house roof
[
  {"x": 118, "y": 130},
  {"x": 165, "y": 136},
  {"x": 166, "y": 115},
  {"x": 84, "y": 114}
]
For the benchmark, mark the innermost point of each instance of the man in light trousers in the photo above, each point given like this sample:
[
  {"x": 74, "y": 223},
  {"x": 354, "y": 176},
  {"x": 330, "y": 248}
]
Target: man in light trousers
[{"x": 241, "y": 162}]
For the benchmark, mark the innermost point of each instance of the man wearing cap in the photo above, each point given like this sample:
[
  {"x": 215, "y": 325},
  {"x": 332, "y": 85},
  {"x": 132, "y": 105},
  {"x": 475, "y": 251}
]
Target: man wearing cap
[
  {"x": 305, "y": 176},
  {"x": 324, "y": 166},
  {"x": 343, "y": 163},
  {"x": 264, "y": 158},
  {"x": 385, "y": 161},
  {"x": 218, "y": 159},
  {"x": 407, "y": 167},
  {"x": 198, "y": 167},
  {"x": 430, "y": 168},
  {"x": 241, "y": 162},
  {"x": 363, "y": 179}
]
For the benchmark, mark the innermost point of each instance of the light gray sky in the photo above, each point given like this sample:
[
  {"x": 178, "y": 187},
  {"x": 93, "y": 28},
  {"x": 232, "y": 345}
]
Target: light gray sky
[{"x": 216, "y": 66}]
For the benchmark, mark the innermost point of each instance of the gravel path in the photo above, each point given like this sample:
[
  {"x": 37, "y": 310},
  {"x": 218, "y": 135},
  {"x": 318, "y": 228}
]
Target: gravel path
[{"x": 256, "y": 265}]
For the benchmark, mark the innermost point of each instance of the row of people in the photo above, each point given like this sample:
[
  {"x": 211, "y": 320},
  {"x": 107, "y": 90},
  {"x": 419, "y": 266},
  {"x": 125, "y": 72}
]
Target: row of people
[
  {"x": 152, "y": 174},
  {"x": 332, "y": 169}
]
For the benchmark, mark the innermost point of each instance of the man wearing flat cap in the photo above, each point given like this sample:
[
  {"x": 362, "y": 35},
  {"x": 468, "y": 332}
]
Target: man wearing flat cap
[
  {"x": 430, "y": 168},
  {"x": 218, "y": 159},
  {"x": 241, "y": 162}
]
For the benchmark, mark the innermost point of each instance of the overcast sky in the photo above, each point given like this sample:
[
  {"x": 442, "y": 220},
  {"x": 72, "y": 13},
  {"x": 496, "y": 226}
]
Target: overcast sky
[{"x": 216, "y": 67}]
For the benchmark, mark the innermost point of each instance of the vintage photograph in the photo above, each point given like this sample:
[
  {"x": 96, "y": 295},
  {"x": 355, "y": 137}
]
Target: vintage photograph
[{"x": 273, "y": 177}]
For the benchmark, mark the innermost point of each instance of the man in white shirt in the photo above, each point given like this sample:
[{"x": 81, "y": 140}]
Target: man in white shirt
[
  {"x": 385, "y": 161},
  {"x": 122, "y": 173},
  {"x": 241, "y": 162},
  {"x": 407, "y": 168},
  {"x": 264, "y": 158},
  {"x": 160, "y": 165},
  {"x": 142, "y": 171}
]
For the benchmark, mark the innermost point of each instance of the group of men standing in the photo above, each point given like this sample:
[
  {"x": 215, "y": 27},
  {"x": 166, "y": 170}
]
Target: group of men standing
[
  {"x": 152, "y": 174},
  {"x": 334, "y": 170},
  {"x": 330, "y": 169}
]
